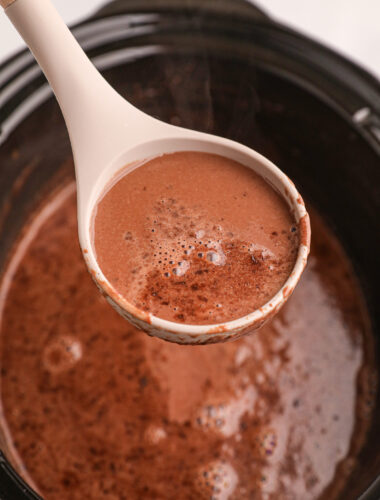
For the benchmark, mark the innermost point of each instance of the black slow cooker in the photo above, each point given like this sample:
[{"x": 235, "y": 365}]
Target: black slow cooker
[{"x": 222, "y": 67}]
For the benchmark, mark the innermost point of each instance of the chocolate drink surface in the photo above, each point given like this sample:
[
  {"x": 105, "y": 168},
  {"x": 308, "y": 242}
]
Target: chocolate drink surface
[
  {"x": 96, "y": 409},
  {"x": 194, "y": 238}
]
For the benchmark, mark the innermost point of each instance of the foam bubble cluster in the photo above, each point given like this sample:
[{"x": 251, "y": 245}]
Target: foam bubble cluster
[
  {"x": 219, "y": 479},
  {"x": 176, "y": 238}
]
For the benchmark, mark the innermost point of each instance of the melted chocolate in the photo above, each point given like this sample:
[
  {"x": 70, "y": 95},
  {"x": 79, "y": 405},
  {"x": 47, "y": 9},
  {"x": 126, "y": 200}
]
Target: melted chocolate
[{"x": 97, "y": 409}]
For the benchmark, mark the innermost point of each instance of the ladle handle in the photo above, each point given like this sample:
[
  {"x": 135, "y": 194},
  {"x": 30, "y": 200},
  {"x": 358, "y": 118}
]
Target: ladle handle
[
  {"x": 88, "y": 103},
  {"x": 6, "y": 3}
]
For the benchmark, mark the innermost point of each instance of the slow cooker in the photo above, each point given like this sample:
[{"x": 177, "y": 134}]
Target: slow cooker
[{"x": 222, "y": 67}]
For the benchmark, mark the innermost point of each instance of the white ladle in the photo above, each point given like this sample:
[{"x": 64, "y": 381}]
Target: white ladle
[{"x": 107, "y": 132}]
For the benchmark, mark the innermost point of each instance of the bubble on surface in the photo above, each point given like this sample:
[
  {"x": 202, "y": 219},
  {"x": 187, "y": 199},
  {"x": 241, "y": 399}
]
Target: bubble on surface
[
  {"x": 183, "y": 266},
  {"x": 216, "y": 256},
  {"x": 154, "y": 435},
  {"x": 212, "y": 257},
  {"x": 128, "y": 236},
  {"x": 219, "y": 479},
  {"x": 61, "y": 354},
  {"x": 268, "y": 442},
  {"x": 224, "y": 417}
]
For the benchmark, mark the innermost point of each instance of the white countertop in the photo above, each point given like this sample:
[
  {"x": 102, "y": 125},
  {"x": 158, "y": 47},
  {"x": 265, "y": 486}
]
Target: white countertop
[{"x": 352, "y": 27}]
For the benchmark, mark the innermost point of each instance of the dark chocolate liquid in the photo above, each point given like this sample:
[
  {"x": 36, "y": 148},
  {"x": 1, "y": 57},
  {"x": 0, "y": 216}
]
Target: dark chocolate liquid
[{"x": 98, "y": 410}]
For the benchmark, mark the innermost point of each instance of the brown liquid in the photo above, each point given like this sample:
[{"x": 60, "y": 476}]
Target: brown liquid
[
  {"x": 195, "y": 238},
  {"x": 98, "y": 410}
]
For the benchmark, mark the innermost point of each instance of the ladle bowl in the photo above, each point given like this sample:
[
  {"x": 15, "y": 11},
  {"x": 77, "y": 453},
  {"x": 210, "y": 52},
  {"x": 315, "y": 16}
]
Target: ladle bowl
[{"x": 107, "y": 133}]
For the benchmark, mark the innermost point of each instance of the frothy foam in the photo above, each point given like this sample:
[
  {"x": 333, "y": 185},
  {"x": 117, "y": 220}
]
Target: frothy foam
[{"x": 218, "y": 479}]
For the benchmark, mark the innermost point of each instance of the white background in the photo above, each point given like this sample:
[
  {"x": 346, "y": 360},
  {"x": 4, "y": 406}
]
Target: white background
[{"x": 350, "y": 26}]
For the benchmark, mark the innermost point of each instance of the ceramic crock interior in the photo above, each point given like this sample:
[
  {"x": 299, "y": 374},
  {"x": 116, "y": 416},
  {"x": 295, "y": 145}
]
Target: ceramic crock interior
[{"x": 245, "y": 79}]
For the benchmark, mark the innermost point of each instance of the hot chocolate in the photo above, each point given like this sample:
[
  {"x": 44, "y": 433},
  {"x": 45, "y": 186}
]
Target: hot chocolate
[
  {"x": 96, "y": 409},
  {"x": 195, "y": 238}
]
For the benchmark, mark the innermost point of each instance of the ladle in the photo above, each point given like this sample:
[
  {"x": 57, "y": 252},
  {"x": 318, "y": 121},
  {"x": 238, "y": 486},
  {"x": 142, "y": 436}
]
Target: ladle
[{"x": 107, "y": 132}]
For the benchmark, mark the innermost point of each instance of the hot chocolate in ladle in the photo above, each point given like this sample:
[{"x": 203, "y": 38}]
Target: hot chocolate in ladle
[{"x": 107, "y": 132}]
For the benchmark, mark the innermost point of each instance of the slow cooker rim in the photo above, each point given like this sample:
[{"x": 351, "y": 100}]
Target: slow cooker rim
[{"x": 359, "y": 99}]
